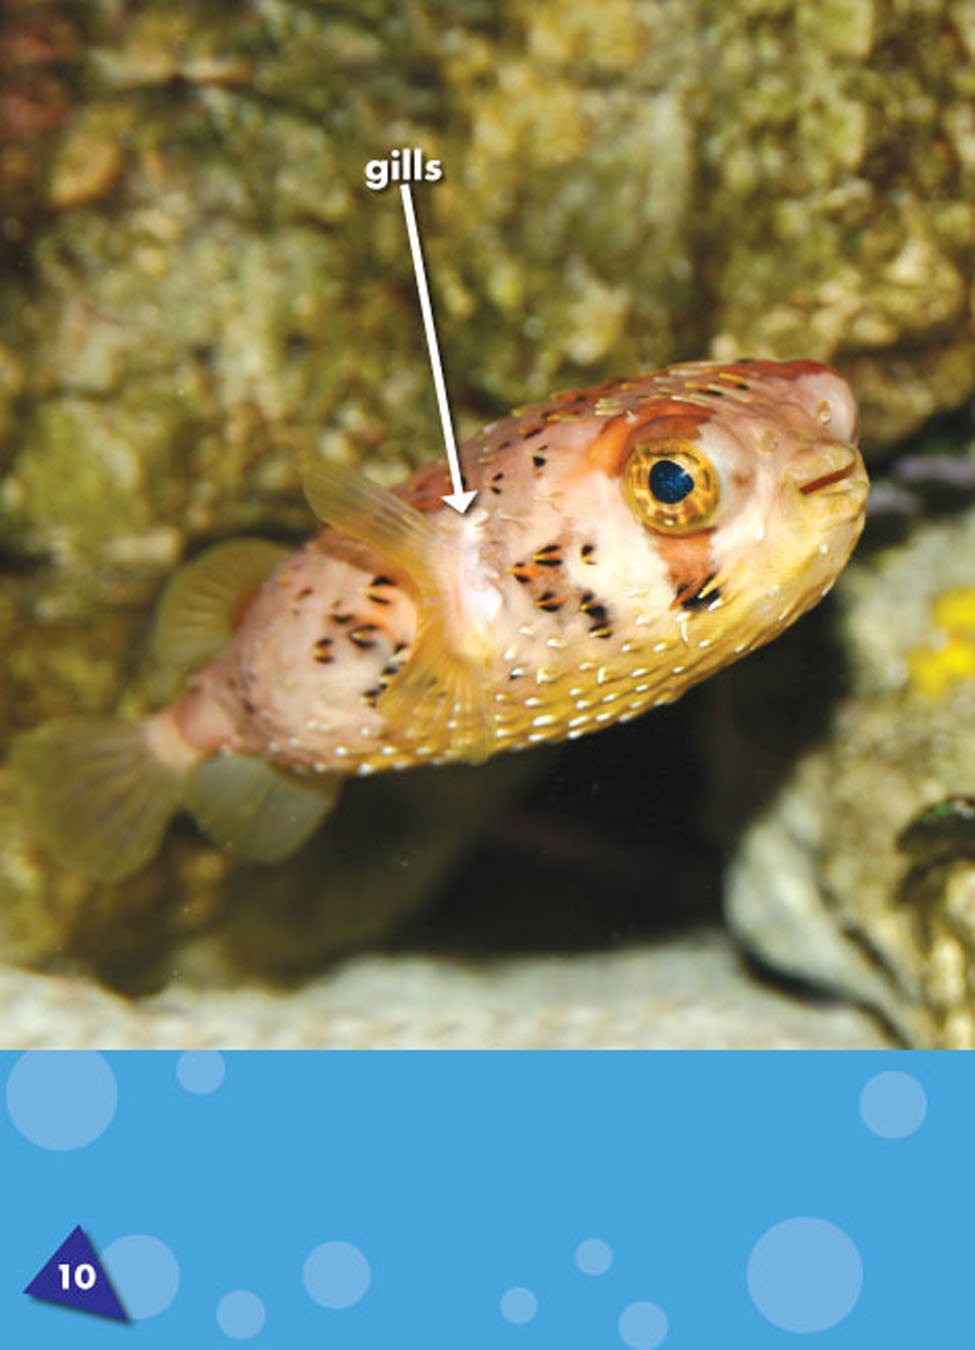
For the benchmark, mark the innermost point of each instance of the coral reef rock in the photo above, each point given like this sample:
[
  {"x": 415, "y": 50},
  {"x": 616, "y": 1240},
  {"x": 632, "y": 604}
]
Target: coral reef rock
[
  {"x": 858, "y": 872},
  {"x": 196, "y": 284}
]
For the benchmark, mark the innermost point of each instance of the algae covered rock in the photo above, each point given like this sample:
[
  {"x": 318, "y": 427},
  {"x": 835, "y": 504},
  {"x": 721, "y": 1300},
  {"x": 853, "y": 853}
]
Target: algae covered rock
[{"x": 197, "y": 285}]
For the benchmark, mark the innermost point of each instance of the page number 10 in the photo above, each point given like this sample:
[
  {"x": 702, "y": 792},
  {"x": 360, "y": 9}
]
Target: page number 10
[{"x": 82, "y": 1276}]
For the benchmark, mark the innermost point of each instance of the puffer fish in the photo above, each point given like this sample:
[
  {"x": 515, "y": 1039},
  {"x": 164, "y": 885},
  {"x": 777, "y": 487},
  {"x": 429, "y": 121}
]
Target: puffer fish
[{"x": 626, "y": 542}]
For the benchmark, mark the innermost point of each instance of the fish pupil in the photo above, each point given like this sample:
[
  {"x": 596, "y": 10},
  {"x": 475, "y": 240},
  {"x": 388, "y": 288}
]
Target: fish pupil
[{"x": 670, "y": 482}]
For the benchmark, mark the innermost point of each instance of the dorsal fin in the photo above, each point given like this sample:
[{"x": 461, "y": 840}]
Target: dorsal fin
[
  {"x": 201, "y": 605},
  {"x": 441, "y": 694}
]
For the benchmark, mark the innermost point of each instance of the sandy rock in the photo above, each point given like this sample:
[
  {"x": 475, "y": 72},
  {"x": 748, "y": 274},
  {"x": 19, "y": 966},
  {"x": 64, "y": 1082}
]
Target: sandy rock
[{"x": 689, "y": 994}]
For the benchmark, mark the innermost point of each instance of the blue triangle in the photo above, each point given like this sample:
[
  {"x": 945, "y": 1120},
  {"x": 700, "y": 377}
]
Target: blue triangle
[{"x": 74, "y": 1277}]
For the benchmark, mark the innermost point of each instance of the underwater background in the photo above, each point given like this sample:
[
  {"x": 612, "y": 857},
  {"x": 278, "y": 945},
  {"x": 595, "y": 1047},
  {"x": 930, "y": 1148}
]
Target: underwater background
[{"x": 197, "y": 287}]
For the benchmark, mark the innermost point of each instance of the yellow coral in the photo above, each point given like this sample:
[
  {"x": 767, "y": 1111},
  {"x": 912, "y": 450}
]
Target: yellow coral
[
  {"x": 933, "y": 668},
  {"x": 954, "y": 611}
]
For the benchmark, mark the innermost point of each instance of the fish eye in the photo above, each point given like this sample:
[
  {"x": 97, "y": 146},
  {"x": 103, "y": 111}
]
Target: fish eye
[
  {"x": 670, "y": 482},
  {"x": 671, "y": 486}
]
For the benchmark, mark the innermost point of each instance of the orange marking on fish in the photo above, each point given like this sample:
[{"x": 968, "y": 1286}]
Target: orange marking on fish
[
  {"x": 243, "y": 607},
  {"x": 426, "y": 488},
  {"x": 690, "y": 563},
  {"x": 663, "y": 417}
]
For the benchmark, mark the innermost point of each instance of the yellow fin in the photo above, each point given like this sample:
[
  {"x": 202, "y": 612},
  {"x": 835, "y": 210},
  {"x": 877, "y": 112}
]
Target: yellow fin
[
  {"x": 442, "y": 699},
  {"x": 98, "y": 797},
  {"x": 255, "y": 810},
  {"x": 356, "y": 506},
  {"x": 200, "y": 604},
  {"x": 441, "y": 696}
]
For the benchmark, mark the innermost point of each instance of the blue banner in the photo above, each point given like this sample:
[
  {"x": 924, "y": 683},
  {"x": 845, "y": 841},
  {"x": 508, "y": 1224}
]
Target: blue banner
[{"x": 486, "y": 1200}]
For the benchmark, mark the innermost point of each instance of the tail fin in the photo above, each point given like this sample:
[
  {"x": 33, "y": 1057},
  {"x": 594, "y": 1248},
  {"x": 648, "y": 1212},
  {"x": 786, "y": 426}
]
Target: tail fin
[{"x": 97, "y": 795}]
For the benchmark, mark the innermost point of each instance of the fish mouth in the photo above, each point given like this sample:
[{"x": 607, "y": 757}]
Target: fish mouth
[
  {"x": 827, "y": 480},
  {"x": 830, "y": 465}
]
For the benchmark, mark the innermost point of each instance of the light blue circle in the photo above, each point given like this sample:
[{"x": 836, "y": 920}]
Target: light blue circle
[
  {"x": 893, "y": 1104},
  {"x": 200, "y": 1071},
  {"x": 594, "y": 1256},
  {"x": 518, "y": 1306},
  {"x": 145, "y": 1274},
  {"x": 643, "y": 1326},
  {"x": 805, "y": 1274},
  {"x": 336, "y": 1274},
  {"x": 61, "y": 1099},
  {"x": 240, "y": 1315}
]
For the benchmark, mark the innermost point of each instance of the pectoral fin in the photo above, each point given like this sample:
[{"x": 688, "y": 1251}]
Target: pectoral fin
[
  {"x": 356, "y": 506},
  {"x": 441, "y": 697}
]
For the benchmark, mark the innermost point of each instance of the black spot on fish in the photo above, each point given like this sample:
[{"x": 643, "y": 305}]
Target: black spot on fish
[
  {"x": 342, "y": 618},
  {"x": 597, "y": 614},
  {"x": 321, "y": 651},
  {"x": 377, "y": 587},
  {"x": 550, "y": 601},
  {"x": 386, "y": 675},
  {"x": 702, "y": 597},
  {"x": 549, "y": 556},
  {"x": 364, "y": 635},
  {"x": 588, "y": 553},
  {"x": 304, "y": 593}
]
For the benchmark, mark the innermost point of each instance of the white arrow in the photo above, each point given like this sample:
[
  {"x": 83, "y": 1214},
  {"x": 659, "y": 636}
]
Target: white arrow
[{"x": 458, "y": 499}]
